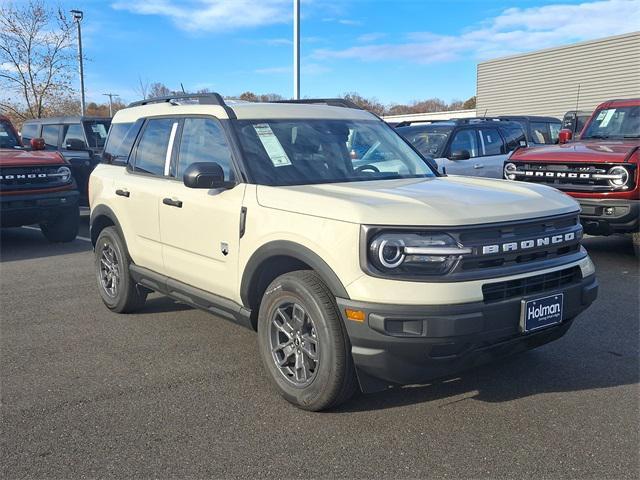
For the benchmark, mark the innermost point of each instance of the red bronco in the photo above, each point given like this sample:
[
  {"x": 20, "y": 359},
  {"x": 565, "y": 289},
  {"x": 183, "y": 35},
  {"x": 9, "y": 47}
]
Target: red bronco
[
  {"x": 36, "y": 187},
  {"x": 600, "y": 169}
]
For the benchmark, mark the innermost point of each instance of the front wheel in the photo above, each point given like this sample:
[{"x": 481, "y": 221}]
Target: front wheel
[{"x": 303, "y": 342}]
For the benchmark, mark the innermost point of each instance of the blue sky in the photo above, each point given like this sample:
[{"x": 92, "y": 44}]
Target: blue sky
[{"x": 396, "y": 51}]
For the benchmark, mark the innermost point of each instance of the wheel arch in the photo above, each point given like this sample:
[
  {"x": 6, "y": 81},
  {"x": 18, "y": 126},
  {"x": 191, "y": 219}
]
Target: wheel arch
[
  {"x": 101, "y": 218},
  {"x": 276, "y": 258}
]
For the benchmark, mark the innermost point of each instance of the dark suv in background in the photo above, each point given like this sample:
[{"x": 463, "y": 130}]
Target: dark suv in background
[
  {"x": 469, "y": 146},
  {"x": 539, "y": 130},
  {"x": 80, "y": 140}
]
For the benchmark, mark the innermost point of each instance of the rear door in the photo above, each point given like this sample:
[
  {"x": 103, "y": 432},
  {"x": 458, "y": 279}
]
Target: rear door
[{"x": 494, "y": 153}]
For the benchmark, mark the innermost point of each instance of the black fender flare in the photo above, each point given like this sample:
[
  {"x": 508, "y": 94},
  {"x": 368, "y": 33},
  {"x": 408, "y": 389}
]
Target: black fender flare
[
  {"x": 286, "y": 248},
  {"x": 103, "y": 211}
]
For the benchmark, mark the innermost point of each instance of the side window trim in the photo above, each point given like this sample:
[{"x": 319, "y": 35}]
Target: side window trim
[
  {"x": 133, "y": 156},
  {"x": 483, "y": 150},
  {"x": 168, "y": 156}
]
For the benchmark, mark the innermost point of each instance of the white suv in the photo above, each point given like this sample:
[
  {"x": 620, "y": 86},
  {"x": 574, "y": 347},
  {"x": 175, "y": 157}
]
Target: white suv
[{"x": 357, "y": 266}]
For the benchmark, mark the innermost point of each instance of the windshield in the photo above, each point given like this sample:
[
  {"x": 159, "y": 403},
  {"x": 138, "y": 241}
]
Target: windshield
[
  {"x": 96, "y": 131},
  {"x": 8, "y": 137},
  {"x": 430, "y": 140},
  {"x": 302, "y": 152},
  {"x": 619, "y": 122}
]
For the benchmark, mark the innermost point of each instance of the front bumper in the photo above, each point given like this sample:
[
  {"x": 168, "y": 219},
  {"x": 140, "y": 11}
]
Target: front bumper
[
  {"x": 28, "y": 209},
  {"x": 607, "y": 216},
  {"x": 410, "y": 344}
]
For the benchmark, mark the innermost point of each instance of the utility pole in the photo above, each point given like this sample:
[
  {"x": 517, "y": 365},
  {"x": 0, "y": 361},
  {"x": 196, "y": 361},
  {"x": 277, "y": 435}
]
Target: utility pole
[
  {"x": 296, "y": 49},
  {"x": 110, "y": 95},
  {"x": 78, "y": 15}
]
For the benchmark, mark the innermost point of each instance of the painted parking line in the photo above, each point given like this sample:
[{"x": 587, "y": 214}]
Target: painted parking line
[{"x": 84, "y": 239}]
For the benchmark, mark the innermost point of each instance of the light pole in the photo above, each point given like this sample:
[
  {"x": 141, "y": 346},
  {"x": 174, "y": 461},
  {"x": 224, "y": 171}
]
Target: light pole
[
  {"x": 77, "y": 18},
  {"x": 296, "y": 49},
  {"x": 110, "y": 95}
]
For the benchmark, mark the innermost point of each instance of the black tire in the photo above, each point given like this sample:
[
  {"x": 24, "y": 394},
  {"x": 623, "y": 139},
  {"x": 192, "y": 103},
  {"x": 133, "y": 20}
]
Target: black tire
[
  {"x": 333, "y": 379},
  {"x": 118, "y": 290},
  {"x": 635, "y": 238},
  {"x": 62, "y": 228}
]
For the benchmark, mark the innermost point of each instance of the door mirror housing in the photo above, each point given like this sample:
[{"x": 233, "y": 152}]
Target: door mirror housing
[
  {"x": 37, "y": 144},
  {"x": 564, "y": 135},
  {"x": 75, "y": 144},
  {"x": 460, "y": 155},
  {"x": 205, "y": 175}
]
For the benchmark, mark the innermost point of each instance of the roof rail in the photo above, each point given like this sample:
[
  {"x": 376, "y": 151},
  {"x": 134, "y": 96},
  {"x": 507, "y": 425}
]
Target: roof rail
[
  {"x": 457, "y": 121},
  {"x": 203, "y": 99},
  {"x": 332, "y": 102}
]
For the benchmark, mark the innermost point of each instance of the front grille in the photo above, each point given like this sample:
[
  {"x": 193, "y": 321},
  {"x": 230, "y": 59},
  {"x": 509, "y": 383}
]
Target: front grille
[
  {"x": 28, "y": 178},
  {"x": 569, "y": 177},
  {"x": 495, "y": 292}
]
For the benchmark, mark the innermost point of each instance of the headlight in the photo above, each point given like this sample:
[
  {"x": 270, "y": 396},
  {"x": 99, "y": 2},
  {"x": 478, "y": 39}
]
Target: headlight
[
  {"x": 587, "y": 267},
  {"x": 509, "y": 171},
  {"x": 621, "y": 174},
  {"x": 64, "y": 174},
  {"x": 419, "y": 253}
]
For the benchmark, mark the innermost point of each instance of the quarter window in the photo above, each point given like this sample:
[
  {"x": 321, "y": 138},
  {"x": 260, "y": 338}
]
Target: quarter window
[
  {"x": 466, "y": 140},
  {"x": 50, "y": 135},
  {"x": 203, "y": 140},
  {"x": 151, "y": 154},
  {"x": 491, "y": 142}
]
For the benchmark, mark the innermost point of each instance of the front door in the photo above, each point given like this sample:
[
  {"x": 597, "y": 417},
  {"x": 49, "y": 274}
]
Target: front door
[
  {"x": 200, "y": 227},
  {"x": 464, "y": 140}
]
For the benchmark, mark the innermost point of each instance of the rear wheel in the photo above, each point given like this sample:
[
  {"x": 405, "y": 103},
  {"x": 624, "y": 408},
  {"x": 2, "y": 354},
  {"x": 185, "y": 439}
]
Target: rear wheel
[
  {"x": 118, "y": 290},
  {"x": 303, "y": 343},
  {"x": 62, "y": 228}
]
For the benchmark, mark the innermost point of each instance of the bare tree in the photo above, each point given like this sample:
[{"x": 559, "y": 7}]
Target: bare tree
[
  {"x": 158, "y": 89},
  {"x": 143, "y": 88},
  {"x": 36, "y": 58}
]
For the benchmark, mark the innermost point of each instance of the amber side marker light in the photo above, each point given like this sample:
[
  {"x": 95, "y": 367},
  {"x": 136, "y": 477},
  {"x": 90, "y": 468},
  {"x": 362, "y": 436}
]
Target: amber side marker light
[{"x": 355, "y": 315}]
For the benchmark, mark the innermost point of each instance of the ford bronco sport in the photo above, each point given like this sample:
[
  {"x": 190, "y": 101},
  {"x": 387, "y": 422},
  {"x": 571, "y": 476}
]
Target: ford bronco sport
[
  {"x": 36, "y": 187},
  {"x": 600, "y": 169},
  {"x": 375, "y": 275}
]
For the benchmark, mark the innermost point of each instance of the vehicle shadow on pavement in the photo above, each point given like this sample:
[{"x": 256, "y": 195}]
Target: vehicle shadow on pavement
[
  {"x": 27, "y": 243},
  {"x": 162, "y": 304}
]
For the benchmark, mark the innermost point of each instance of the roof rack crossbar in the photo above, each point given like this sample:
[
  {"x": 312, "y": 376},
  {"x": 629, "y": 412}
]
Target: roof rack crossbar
[{"x": 203, "y": 99}]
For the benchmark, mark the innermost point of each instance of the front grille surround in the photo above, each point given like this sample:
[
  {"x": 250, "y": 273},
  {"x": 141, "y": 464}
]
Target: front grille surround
[{"x": 31, "y": 177}]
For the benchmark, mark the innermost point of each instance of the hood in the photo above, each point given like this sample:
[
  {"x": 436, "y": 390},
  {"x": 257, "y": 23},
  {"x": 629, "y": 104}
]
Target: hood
[
  {"x": 592, "y": 151},
  {"x": 22, "y": 158},
  {"x": 445, "y": 201}
]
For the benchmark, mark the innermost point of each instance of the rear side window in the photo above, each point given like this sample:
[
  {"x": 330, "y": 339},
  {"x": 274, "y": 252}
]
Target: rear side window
[
  {"x": 540, "y": 133},
  {"x": 513, "y": 135},
  {"x": 50, "y": 135},
  {"x": 152, "y": 151},
  {"x": 72, "y": 133},
  {"x": 491, "y": 141},
  {"x": 29, "y": 132},
  {"x": 121, "y": 138}
]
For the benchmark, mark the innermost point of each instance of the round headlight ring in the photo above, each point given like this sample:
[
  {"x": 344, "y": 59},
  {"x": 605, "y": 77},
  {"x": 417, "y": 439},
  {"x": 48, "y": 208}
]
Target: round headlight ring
[
  {"x": 618, "y": 170},
  {"x": 65, "y": 174},
  {"x": 509, "y": 170},
  {"x": 391, "y": 253}
]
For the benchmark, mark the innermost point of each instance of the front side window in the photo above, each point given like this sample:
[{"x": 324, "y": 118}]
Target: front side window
[
  {"x": 465, "y": 140},
  {"x": 121, "y": 138},
  {"x": 8, "y": 137},
  {"x": 151, "y": 154},
  {"x": 302, "y": 152},
  {"x": 619, "y": 122},
  {"x": 50, "y": 135},
  {"x": 72, "y": 136},
  {"x": 554, "y": 131},
  {"x": 514, "y": 137},
  {"x": 540, "y": 133},
  {"x": 430, "y": 140},
  {"x": 29, "y": 132},
  {"x": 203, "y": 140},
  {"x": 97, "y": 132},
  {"x": 491, "y": 141}
]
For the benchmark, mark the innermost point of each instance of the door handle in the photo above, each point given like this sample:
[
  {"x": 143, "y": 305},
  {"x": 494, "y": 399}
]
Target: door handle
[
  {"x": 123, "y": 193},
  {"x": 478, "y": 165},
  {"x": 172, "y": 203}
]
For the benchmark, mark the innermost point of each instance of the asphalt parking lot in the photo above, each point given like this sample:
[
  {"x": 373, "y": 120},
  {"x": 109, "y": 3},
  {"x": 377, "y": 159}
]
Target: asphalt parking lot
[{"x": 174, "y": 392}]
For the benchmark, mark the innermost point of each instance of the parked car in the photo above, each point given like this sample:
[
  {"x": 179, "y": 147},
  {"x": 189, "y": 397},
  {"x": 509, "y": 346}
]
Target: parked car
[
  {"x": 474, "y": 147},
  {"x": 80, "y": 140},
  {"x": 386, "y": 273},
  {"x": 36, "y": 187},
  {"x": 539, "y": 130},
  {"x": 574, "y": 121},
  {"x": 600, "y": 170}
]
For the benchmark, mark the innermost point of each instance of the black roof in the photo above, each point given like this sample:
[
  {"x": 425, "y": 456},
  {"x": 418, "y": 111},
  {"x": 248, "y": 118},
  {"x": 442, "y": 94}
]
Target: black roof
[
  {"x": 457, "y": 121},
  {"x": 531, "y": 118},
  {"x": 67, "y": 119}
]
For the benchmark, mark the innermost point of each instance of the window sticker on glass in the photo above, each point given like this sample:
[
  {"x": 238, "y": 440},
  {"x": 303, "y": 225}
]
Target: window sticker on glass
[
  {"x": 272, "y": 145},
  {"x": 601, "y": 115},
  {"x": 607, "y": 118}
]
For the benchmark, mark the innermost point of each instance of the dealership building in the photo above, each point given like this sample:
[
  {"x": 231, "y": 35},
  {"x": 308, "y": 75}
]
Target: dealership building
[{"x": 546, "y": 82}]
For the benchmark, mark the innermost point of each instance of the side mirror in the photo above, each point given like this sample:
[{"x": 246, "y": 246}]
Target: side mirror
[
  {"x": 75, "y": 144},
  {"x": 564, "y": 135},
  {"x": 460, "y": 155},
  {"x": 37, "y": 144},
  {"x": 205, "y": 175}
]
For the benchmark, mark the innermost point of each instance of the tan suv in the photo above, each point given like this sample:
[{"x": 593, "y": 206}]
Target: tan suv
[{"x": 321, "y": 228}]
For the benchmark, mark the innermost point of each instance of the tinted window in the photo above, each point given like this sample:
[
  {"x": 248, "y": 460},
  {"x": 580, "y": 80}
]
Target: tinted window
[
  {"x": 465, "y": 140},
  {"x": 513, "y": 136},
  {"x": 121, "y": 138},
  {"x": 97, "y": 132},
  {"x": 430, "y": 140},
  {"x": 50, "y": 135},
  {"x": 540, "y": 133},
  {"x": 72, "y": 132},
  {"x": 203, "y": 140},
  {"x": 491, "y": 141},
  {"x": 8, "y": 138},
  {"x": 152, "y": 149},
  {"x": 621, "y": 122},
  {"x": 554, "y": 131},
  {"x": 29, "y": 132}
]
